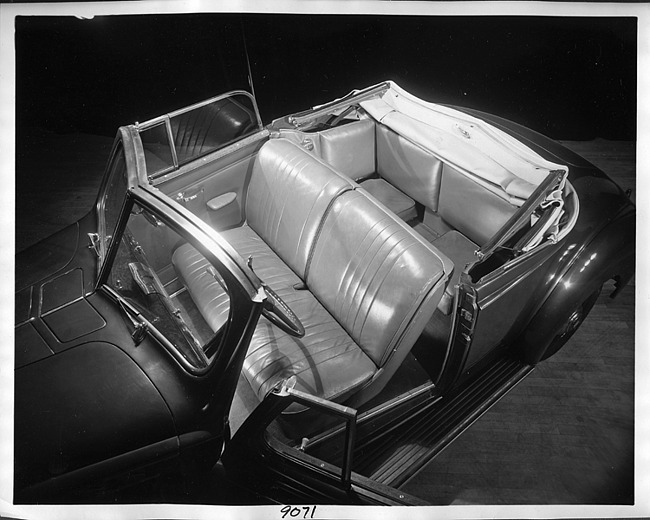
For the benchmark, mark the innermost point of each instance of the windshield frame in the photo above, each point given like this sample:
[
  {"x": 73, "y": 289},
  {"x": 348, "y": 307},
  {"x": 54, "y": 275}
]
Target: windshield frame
[
  {"x": 246, "y": 296},
  {"x": 123, "y": 142},
  {"x": 165, "y": 119}
]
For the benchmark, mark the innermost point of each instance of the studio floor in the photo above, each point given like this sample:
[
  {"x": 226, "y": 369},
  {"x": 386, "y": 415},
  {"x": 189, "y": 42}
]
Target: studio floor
[{"x": 565, "y": 435}]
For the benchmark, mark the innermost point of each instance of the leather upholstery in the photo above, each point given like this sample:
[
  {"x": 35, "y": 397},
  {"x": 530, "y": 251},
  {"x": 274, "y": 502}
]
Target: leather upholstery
[
  {"x": 408, "y": 167},
  {"x": 402, "y": 205},
  {"x": 208, "y": 295},
  {"x": 471, "y": 209},
  {"x": 409, "y": 173},
  {"x": 372, "y": 272},
  {"x": 460, "y": 250},
  {"x": 288, "y": 194},
  {"x": 326, "y": 361},
  {"x": 371, "y": 282},
  {"x": 273, "y": 355},
  {"x": 350, "y": 149}
]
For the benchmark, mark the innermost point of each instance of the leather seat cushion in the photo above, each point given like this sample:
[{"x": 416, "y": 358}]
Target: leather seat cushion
[
  {"x": 208, "y": 294},
  {"x": 460, "y": 250},
  {"x": 326, "y": 361},
  {"x": 399, "y": 203}
]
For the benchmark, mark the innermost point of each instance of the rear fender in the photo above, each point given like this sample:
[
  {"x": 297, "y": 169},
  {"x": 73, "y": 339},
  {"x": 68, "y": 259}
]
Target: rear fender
[{"x": 610, "y": 255}]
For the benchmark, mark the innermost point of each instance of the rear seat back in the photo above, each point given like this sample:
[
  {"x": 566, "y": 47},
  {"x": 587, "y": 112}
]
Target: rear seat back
[
  {"x": 470, "y": 208},
  {"x": 350, "y": 149},
  {"x": 463, "y": 203},
  {"x": 362, "y": 148},
  {"x": 410, "y": 168},
  {"x": 288, "y": 194}
]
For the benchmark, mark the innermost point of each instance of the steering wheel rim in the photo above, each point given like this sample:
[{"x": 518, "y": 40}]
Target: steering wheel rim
[{"x": 280, "y": 314}]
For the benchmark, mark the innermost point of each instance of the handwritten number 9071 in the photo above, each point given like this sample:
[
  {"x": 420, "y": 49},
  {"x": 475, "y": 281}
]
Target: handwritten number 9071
[{"x": 298, "y": 512}]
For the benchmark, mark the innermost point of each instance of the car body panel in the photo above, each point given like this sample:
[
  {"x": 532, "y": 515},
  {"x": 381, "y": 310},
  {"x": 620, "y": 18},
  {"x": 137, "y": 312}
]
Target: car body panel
[
  {"x": 50, "y": 256},
  {"x": 80, "y": 404}
]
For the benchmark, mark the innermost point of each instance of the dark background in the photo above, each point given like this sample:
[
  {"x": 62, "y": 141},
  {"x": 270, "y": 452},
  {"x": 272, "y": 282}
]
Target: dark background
[{"x": 569, "y": 78}]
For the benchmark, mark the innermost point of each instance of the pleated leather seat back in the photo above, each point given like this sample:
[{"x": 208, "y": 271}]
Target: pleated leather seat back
[
  {"x": 288, "y": 195},
  {"x": 379, "y": 279}
]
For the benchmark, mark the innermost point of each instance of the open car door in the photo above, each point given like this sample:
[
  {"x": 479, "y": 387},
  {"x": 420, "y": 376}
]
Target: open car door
[{"x": 291, "y": 472}]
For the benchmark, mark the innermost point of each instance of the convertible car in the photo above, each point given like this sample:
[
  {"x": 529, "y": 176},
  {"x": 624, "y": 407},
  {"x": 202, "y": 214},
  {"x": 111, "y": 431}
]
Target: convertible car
[{"x": 311, "y": 309}]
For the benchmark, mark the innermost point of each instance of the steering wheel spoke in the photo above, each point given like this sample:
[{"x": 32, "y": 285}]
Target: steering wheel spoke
[
  {"x": 277, "y": 311},
  {"x": 280, "y": 314}
]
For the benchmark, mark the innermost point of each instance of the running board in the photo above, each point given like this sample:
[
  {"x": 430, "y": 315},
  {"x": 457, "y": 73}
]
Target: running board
[{"x": 394, "y": 459}]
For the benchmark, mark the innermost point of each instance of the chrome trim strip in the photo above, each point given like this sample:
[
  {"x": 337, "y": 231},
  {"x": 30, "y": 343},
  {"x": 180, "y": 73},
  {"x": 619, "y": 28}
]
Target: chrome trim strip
[
  {"x": 40, "y": 300},
  {"x": 151, "y": 122}
]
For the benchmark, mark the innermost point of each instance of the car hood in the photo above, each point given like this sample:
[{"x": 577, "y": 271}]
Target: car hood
[
  {"x": 46, "y": 257},
  {"x": 54, "y": 272}
]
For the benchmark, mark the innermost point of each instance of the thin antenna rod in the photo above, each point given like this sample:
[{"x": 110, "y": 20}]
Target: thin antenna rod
[{"x": 248, "y": 62}]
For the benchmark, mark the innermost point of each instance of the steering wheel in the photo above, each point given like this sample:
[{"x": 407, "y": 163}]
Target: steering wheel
[{"x": 279, "y": 313}]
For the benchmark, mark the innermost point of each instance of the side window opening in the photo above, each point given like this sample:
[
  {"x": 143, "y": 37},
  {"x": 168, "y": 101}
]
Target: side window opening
[{"x": 157, "y": 148}]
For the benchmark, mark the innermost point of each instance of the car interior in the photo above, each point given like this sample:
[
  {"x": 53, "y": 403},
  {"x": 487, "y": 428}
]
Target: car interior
[{"x": 361, "y": 231}]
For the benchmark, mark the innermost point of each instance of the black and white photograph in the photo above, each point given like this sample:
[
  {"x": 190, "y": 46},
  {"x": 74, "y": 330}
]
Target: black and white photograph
[{"x": 303, "y": 260}]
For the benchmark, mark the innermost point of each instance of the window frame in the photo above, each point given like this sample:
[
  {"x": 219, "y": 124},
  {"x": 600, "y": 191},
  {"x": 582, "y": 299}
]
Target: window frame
[
  {"x": 166, "y": 120},
  {"x": 123, "y": 144},
  {"x": 245, "y": 298}
]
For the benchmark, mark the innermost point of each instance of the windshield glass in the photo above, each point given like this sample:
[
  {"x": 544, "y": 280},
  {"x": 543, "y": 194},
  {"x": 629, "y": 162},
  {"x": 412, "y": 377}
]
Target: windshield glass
[
  {"x": 144, "y": 272},
  {"x": 113, "y": 195},
  {"x": 180, "y": 137}
]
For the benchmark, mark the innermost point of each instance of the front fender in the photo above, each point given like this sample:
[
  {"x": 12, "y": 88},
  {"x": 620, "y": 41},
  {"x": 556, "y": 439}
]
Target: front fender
[{"x": 609, "y": 255}]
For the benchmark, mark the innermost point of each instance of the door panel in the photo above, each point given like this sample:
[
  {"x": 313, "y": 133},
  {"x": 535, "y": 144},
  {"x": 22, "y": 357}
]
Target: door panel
[
  {"x": 215, "y": 191},
  {"x": 505, "y": 298},
  {"x": 286, "y": 471}
]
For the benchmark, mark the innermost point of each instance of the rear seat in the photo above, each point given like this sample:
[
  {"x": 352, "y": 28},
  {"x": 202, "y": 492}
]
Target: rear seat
[
  {"x": 363, "y": 283},
  {"x": 408, "y": 173},
  {"x": 475, "y": 213},
  {"x": 352, "y": 150}
]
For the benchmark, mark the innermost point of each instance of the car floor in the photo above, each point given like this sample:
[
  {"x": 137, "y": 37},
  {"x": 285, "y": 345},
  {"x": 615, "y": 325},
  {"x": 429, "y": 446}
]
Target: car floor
[{"x": 565, "y": 435}]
